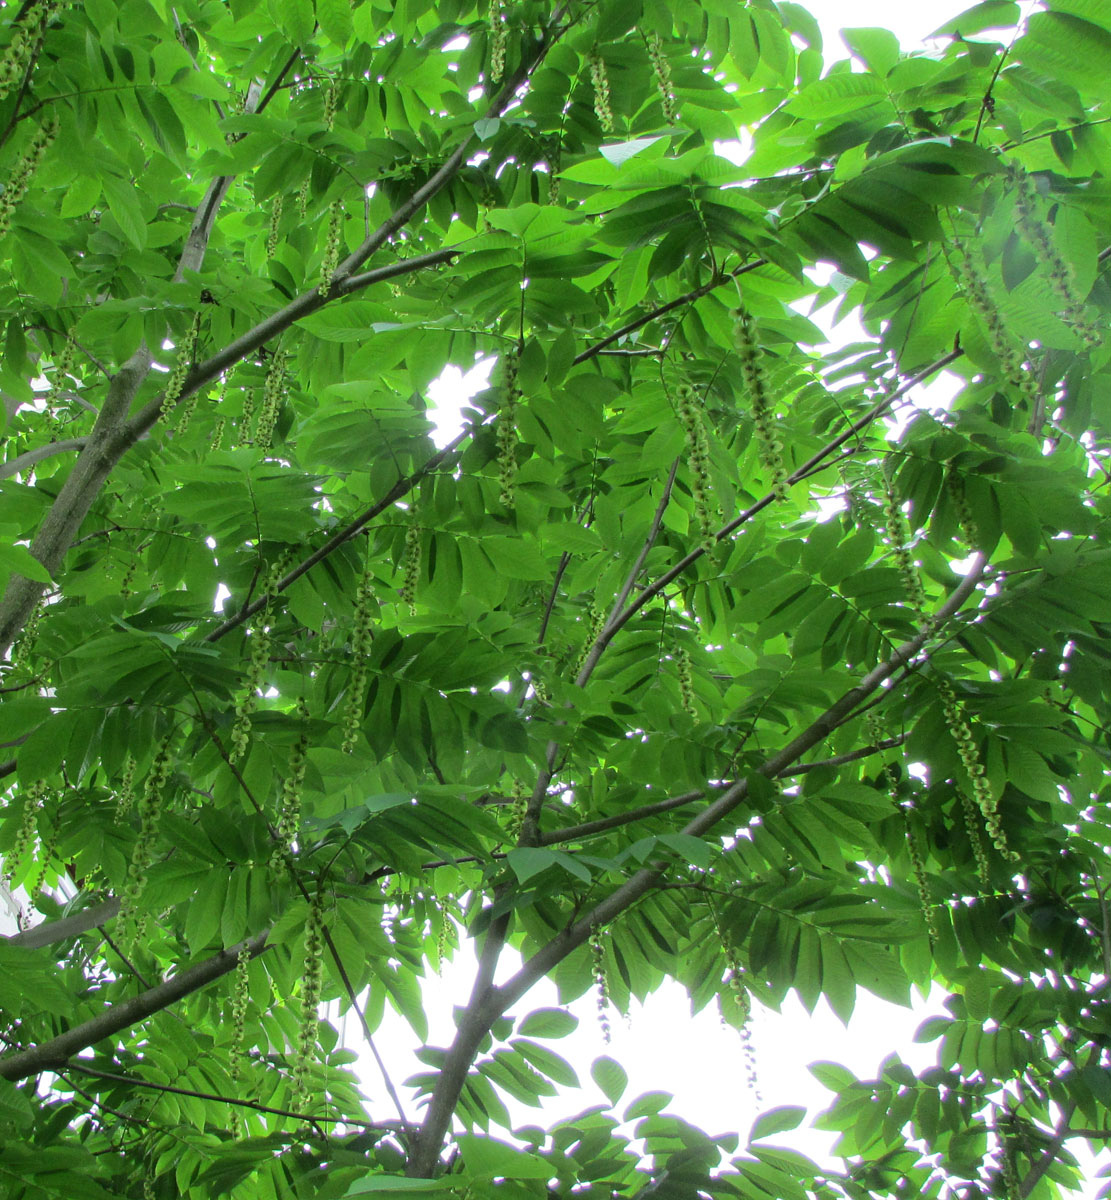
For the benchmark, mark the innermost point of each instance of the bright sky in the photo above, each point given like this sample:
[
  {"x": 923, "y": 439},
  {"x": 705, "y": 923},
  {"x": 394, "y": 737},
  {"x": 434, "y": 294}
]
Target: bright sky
[{"x": 661, "y": 1046}]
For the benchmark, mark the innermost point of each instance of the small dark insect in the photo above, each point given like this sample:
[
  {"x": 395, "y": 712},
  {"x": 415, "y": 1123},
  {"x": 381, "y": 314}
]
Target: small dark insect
[
  {"x": 989, "y": 104},
  {"x": 208, "y": 298}
]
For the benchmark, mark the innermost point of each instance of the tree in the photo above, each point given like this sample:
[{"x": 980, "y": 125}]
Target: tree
[{"x": 683, "y": 660}]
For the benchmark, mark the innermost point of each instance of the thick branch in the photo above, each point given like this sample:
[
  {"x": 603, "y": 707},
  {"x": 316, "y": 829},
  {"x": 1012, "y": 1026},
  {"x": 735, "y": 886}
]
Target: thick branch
[
  {"x": 29, "y": 457},
  {"x": 72, "y": 926},
  {"x": 56, "y": 1052}
]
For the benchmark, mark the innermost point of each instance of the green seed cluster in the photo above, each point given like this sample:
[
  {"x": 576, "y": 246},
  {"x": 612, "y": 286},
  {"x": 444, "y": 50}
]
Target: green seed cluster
[
  {"x": 973, "y": 824},
  {"x": 768, "y": 445},
  {"x": 303, "y": 198},
  {"x": 46, "y": 855},
  {"x": 698, "y": 460},
  {"x": 598, "y": 968},
  {"x": 125, "y": 795},
  {"x": 507, "y": 430},
  {"x": 240, "y": 995},
  {"x": 596, "y": 620},
  {"x": 743, "y": 1001},
  {"x": 1036, "y": 232},
  {"x": 273, "y": 393},
  {"x": 24, "y": 645},
  {"x": 27, "y": 37},
  {"x": 218, "y": 433},
  {"x": 312, "y": 980},
  {"x": 966, "y": 522},
  {"x": 361, "y": 636},
  {"x": 520, "y": 797},
  {"x": 275, "y": 224},
  {"x": 979, "y": 300},
  {"x": 603, "y": 110},
  {"x": 918, "y": 866},
  {"x": 256, "y": 667},
  {"x": 331, "y": 246},
  {"x": 331, "y": 103},
  {"x": 661, "y": 69},
  {"x": 498, "y": 39},
  {"x": 28, "y": 827},
  {"x": 23, "y": 171},
  {"x": 289, "y": 812},
  {"x": 182, "y": 363},
  {"x": 150, "y": 808},
  {"x": 63, "y": 365},
  {"x": 686, "y": 682},
  {"x": 970, "y": 758},
  {"x": 897, "y": 537},
  {"x": 1012, "y": 1186},
  {"x": 412, "y": 566},
  {"x": 247, "y": 416}
]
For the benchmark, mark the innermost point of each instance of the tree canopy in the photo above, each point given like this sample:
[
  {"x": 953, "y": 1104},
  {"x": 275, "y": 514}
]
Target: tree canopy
[{"x": 699, "y": 654}]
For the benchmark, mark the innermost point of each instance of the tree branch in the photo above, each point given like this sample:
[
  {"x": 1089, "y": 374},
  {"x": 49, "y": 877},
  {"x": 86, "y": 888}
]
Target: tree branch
[
  {"x": 56, "y": 1052},
  {"x": 29, "y": 457}
]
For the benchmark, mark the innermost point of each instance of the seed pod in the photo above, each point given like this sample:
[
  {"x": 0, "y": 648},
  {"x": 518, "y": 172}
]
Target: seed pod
[
  {"x": 978, "y": 295},
  {"x": 26, "y": 40},
  {"x": 921, "y": 883},
  {"x": 125, "y": 795},
  {"x": 258, "y": 664},
  {"x": 218, "y": 433},
  {"x": 1036, "y": 232},
  {"x": 28, "y": 828},
  {"x": 331, "y": 101},
  {"x": 23, "y": 171},
  {"x": 275, "y": 223},
  {"x": 150, "y": 809},
  {"x": 311, "y": 986},
  {"x": 598, "y": 967},
  {"x": 689, "y": 411},
  {"x": 182, "y": 364},
  {"x": 498, "y": 39},
  {"x": 273, "y": 395},
  {"x": 897, "y": 537},
  {"x": 412, "y": 566},
  {"x": 970, "y": 759},
  {"x": 973, "y": 823},
  {"x": 768, "y": 445},
  {"x": 519, "y": 808},
  {"x": 686, "y": 682},
  {"x": 361, "y": 637},
  {"x": 331, "y": 246},
  {"x": 661, "y": 69},
  {"x": 954, "y": 485},
  {"x": 507, "y": 430},
  {"x": 289, "y": 813},
  {"x": 303, "y": 198},
  {"x": 600, "y": 80}
]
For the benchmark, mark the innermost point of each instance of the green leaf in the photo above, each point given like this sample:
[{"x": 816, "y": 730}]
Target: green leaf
[
  {"x": 777, "y": 1120},
  {"x": 610, "y": 1076},
  {"x": 548, "y": 1023}
]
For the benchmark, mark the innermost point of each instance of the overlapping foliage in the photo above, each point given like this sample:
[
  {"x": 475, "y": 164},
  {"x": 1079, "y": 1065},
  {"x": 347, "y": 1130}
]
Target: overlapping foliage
[{"x": 678, "y": 662}]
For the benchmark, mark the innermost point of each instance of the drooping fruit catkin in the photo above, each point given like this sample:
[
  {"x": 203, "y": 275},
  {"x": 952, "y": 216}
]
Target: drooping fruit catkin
[
  {"x": 25, "y": 167},
  {"x": 603, "y": 109},
  {"x": 768, "y": 445},
  {"x": 289, "y": 811},
  {"x": 974, "y": 768},
  {"x": 331, "y": 246},
  {"x": 661, "y": 69},
  {"x": 361, "y": 637},
  {"x": 689, "y": 411},
  {"x": 896, "y": 530},
  {"x": 498, "y": 38},
  {"x": 1035, "y": 230},
  {"x": 507, "y": 429},
  {"x": 183, "y": 362},
  {"x": 601, "y": 988},
  {"x": 312, "y": 979},
  {"x": 411, "y": 577},
  {"x": 151, "y": 804}
]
